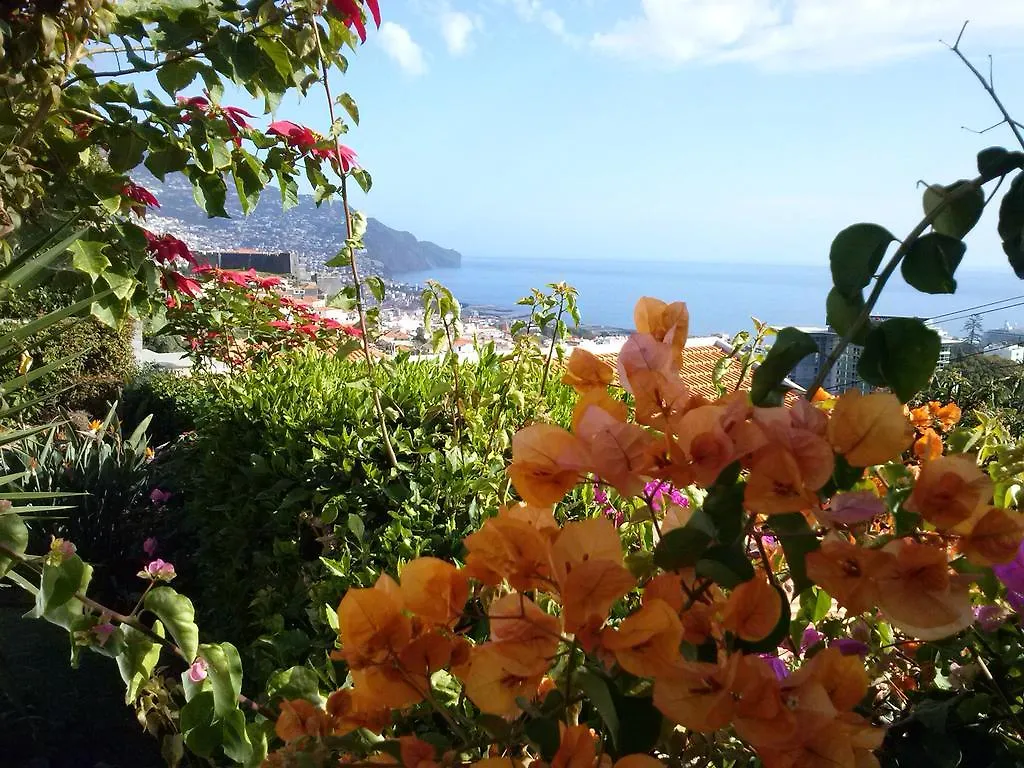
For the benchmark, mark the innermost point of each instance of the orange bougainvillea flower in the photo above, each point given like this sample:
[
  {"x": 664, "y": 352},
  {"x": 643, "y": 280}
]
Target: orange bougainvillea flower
[
  {"x": 994, "y": 539},
  {"x": 577, "y": 749},
  {"x": 495, "y": 678},
  {"x": 921, "y": 418},
  {"x": 434, "y": 590},
  {"x": 592, "y": 539},
  {"x": 371, "y": 625},
  {"x": 416, "y": 753},
  {"x": 696, "y": 695},
  {"x": 546, "y": 462},
  {"x": 703, "y": 438},
  {"x": 869, "y": 429},
  {"x": 586, "y": 371},
  {"x": 523, "y": 630},
  {"x": 844, "y": 677},
  {"x": 598, "y": 398},
  {"x": 753, "y": 609},
  {"x": 300, "y": 718},
  {"x": 849, "y": 573},
  {"x": 668, "y": 323},
  {"x": 510, "y": 548},
  {"x": 388, "y": 686},
  {"x": 351, "y": 709},
  {"x": 918, "y": 594},
  {"x": 621, "y": 454},
  {"x": 928, "y": 446},
  {"x": 948, "y": 416},
  {"x": 776, "y": 485},
  {"x": 541, "y": 518},
  {"x": 647, "y": 643},
  {"x": 948, "y": 490}
]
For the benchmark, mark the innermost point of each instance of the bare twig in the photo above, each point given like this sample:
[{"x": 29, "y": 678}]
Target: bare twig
[{"x": 987, "y": 85}]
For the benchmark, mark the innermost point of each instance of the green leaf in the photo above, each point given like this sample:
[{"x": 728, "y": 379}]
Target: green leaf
[
  {"x": 963, "y": 203},
  {"x": 178, "y": 615},
  {"x": 376, "y": 286},
  {"x": 901, "y": 354},
  {"x": 126, "y": 152},
  {"x": 294, "y": 683},
  {"x": 363, "y": 179},
  {"x": 778, "y": 633},
  {"x": 798, "y": 541},
  {"x": 289, "y": 190},
  {"x": 178, "y": 75},
  {"x": 726, "y": 565},
  {"x": 210, "y": 193},
  {"x": 138, "y": 659},
  {"x": 1011, "y": 224},
  {"x": 842, "y": 311},
  {"x": 235, "y": 736},
  {"x": 856, "y": 253},
  {"x": 600, "y": 697},
  {"x": 931, "y": 262},
  {"x": 225, "y": 673},
  {"x": 123, "y": 286},
  {"x": 996, "y": 161},
  {"x": 166, "y": 160},
  {"x": 87, "y": 257},
  {"x": 683, "y": 547},
  {"x": 639, "y": 723},
  {"x": 543, "y": 732},
  {"x": 790, "y": 347},
  {"x": 196, "y": 719},
  {"x": 346, "y": 101},
  {"x": 60, "y": 583},
  {"x": 724, "y": 506},
  {"x": 14, "y": 536}
]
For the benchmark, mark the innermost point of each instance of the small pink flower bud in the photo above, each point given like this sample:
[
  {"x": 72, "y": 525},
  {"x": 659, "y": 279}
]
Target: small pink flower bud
[
  {"x": 158, "y": 570},
  {"x": 197, "y": 672},
  {"x": 149, "y": 546}
]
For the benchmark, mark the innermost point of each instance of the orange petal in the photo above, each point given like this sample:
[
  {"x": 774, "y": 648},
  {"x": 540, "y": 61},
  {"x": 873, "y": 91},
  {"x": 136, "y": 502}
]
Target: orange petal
[
  {"x": 869, "y": 429},
  {"x": 585, "y": 371},
  {"x": 622, "y": 454},
  {"x": 599, "y": 398},
  {"x": 372, "y": 626},
  {"x": 434, "y": 590},
  {"x": 696, "y": 696},
  {"x": 589, "y": 591},
  {"x": 547, "y": 461},
  {"x": 646, "y": 643},
  {"x": 948, "y": 490},
  {"x": 776, "y": 485},
  {"x": 928, "y": 446},
  {"x": 753, "y": 609},
  {"x": 994, "y": 539},
  {"x": 592, "y": 539}
]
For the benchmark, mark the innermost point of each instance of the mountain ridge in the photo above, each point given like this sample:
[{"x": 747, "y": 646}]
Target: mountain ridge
[{"x": 314, "y": 234}]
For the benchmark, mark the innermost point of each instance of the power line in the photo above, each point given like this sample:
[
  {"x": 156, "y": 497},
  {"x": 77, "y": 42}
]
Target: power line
[
  {"x": 964, "y": 313},
  {"x": 979, "y": 306}
]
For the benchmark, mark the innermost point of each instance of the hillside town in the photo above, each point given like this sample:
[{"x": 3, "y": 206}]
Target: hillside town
[{"x": 401, "y": 326}]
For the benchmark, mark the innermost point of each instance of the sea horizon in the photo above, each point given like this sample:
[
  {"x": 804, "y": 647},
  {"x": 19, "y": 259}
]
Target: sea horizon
[{"x": 721, "y": 296}]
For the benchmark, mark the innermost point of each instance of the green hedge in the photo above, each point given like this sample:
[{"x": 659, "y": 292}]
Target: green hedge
[
  {"x": 174, "y": 400},
  {"x": 287, "y": 498}
]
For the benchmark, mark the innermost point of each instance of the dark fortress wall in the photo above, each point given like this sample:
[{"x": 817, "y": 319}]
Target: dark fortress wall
[{"x": 279, "y": 263}]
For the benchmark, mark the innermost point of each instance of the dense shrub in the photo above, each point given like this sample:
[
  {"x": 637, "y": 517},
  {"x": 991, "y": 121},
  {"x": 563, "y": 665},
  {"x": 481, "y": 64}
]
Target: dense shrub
[
  {"x": 173, "y": 400},
  {"x": 289, "y": 499},
  {"x": 982, "y": 383}
]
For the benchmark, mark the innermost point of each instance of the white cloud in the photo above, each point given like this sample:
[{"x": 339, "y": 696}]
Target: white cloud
[
  {"x": 536, "y": 11},
  {"x": 457, "y": 29},
  {"x": 806, "y": 33},
  {"x": 399, "y": 45}
]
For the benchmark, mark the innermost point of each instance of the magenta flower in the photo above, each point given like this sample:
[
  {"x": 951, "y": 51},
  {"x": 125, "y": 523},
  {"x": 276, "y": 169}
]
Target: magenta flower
[
  {"x": 149, "y": 546},
  {"x": 778, "y": 665},
  {"x": 989, "y": 617},
  {"x": 850, "y": 647},
  {"x": 139, "y": 195},
  {"x": 600, "y": 494},
  {"x": 1012, "y": 573},
  {"x": 198, "y": 670},
  {"x": 158, "y": 570},
  {"x": 658, "y": 490},
  {"x": 1016, "y": 601},
  {"x": 617, "y": 516},
  {"x": 160, "y": 497},
  {"x": 810, "y": 638}
]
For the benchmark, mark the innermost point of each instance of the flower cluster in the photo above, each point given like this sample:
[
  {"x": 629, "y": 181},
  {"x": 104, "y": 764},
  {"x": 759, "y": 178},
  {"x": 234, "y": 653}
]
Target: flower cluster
[
  {"x": 801, "y": 502},
  {"x": 234, "y": 117},
  {"x": 307, "y": 140},
  {"x": 236, "y": 317}
]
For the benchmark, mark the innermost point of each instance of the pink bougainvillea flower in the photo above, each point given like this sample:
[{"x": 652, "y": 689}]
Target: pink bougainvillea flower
[
  {"x": 173, "y": 281},
  {"x": 1016, "y": 601},
  {"x": 778, "y": 666},
  {"x": 811, "y": 638},
  {"x": 1012, "y": 573},
  {"x": 166, "y": 248},
  {"x": 282, "y": 325},
  {"x": 158, "y": 570},
  {"x": 268, "y": 282},
  {"x": 852, "y": 508},
  {"x": 159, "y": 496},
  {"x": 149, "y": 546},
  {"x": 103, "y": 632},
  {"x": 197, "y": 671}
]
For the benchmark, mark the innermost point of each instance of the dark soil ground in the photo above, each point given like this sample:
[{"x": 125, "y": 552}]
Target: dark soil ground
[{"x": 53, "y": 716}]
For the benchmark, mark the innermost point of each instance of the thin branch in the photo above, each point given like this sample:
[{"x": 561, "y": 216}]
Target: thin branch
[
  {"x": 987, "y": 85},
  {"x": 984, "y": 130},
  {"x": 389, "y": 449}
]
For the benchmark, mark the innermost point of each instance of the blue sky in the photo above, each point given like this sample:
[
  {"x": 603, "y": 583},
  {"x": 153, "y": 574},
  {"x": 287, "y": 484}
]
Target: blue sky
[{"x": 733, "y": 130}]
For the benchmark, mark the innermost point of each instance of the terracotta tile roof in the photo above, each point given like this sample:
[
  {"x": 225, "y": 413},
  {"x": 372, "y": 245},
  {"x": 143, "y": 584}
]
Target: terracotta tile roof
[{"x": 698, "y": 369}]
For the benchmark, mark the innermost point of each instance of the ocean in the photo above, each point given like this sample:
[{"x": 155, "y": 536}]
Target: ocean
[{"x": 721, "y": 297}]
